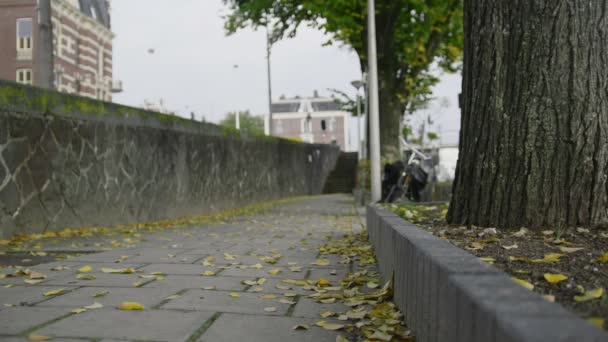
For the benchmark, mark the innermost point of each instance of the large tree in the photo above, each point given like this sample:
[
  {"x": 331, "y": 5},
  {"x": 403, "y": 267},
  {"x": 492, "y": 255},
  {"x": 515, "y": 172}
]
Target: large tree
[
  {"x": 411, "y": 36},
  {"x": 534, "y": 135}
]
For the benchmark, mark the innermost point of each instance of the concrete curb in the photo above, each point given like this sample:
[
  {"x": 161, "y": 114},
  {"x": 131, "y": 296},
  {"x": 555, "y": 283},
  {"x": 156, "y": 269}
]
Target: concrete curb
[{"x": 448, "y": 294}]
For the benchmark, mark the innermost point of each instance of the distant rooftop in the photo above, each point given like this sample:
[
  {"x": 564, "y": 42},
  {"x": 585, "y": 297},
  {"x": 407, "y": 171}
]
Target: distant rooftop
[
  {"x": 99, "y": 10},
  {"x": 296, "y": 104}
]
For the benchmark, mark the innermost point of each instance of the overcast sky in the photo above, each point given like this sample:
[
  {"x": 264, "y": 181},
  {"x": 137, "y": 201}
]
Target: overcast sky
[{"x": 193, "y": 65}]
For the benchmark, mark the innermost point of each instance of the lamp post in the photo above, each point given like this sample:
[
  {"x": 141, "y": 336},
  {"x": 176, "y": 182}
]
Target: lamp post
[
  {"x": 374, "y": 116},
  {"x": 268, "y": 46},
  {"x": 358, "y": 84}
]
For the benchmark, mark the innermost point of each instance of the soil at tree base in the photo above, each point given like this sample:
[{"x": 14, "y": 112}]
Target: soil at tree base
[{"x": 512, "y": 252}]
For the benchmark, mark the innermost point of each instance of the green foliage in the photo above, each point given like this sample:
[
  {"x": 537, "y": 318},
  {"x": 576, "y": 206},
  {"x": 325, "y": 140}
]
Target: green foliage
[
  {"x": 432, "y": 136},
  {"x": 250, "y": 124},
  {"x": 411, "y": 36}
]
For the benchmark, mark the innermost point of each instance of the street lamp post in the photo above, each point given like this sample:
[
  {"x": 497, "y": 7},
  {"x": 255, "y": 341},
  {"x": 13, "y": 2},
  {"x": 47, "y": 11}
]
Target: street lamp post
[
  {"x": 374, "y": 116},
  {"x": 268, "y": 46},
  {"x": 358, "y": 84}
]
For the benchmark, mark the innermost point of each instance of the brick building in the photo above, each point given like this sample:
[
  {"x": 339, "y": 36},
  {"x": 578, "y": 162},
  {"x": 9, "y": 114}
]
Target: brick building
[
  {"x": 313, "y": 119},
  {"x": 60, "y": 44}
]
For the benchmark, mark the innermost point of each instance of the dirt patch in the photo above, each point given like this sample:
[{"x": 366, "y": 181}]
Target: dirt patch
[{"x": 536, "y": 257}]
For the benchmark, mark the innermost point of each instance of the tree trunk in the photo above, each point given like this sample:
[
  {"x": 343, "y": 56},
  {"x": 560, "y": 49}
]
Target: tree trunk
[
  {"x": 391, "y": 113},
  {"x": 534, "y": 129}
]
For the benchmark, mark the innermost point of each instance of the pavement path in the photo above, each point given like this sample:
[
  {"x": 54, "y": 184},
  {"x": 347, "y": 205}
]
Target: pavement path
[{"x": 183, "y": 304}]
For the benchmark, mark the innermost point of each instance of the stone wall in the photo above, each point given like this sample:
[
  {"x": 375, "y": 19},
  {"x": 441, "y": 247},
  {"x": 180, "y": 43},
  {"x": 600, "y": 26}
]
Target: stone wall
[{"x": 67, "y": 161}]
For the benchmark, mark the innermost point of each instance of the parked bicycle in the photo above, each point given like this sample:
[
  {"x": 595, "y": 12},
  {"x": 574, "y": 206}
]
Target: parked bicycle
[{"x": 405, "y": 180}]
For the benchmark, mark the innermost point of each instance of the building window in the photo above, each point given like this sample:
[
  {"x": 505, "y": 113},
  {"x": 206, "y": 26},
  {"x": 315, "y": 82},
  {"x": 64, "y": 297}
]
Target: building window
[
  {"x": 25, "y": 34},
  {"x": 24, "y": 76}
]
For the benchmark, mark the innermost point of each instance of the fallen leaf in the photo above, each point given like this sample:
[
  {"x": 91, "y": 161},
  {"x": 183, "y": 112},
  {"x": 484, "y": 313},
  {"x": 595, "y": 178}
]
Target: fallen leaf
[
  {"x": 475, "y": 246},
  {"x": 301, "y": 327},
  {"x": 270, "y": 309},
  {"x": 554, "y": 278},
  {"x": 320, "y": 262},
  {"x": 285, "y": 301},
  {"x": 549, "y": 298},
  {"x": 521, "y": 232},
  {"x": 34, "y": 337},
  {"x": 209, "y": 287},
  {"x": 328, "y": 313},
  {"x": 570, "y": 249},
  {"x": 523, "y": 283},
  {"x": 341, "y": 338},
  {"x": 323, "y": 282},
  {"x": 372, "y": 285},
  {"x": 513, "y": 246},
  {"x": 329, "y": 326},
  {"x": 129, "y": 306},
  {"x": 328, "y": 301},
  {"x": 117, "y": 270},
  {"x": 78, "y": 311},
  {"x": 94, "y": 306},
  {"x": 290, "y": 294},
  {"x": 488, "y": 259},
  {"x": 596, "y": 321},
  {"x": 53, "y": 292},
  {"x": 275, "y": 271},
  {"x": 33, "y": 281},
  {"x": 549, "y": 258},
  {"x": 590, "y": 295},
  {"x": 268, "y": 297},
  {"x": 380, "y": 336},
  {"x": 36, "y": 275},
  {"x": 582, "y": 230},
  {"x": 603, "y": 258},
  {"x": 208, "y": 273},
  {"x": 100, "y": 294},
  {"x": 85, "y": 269},
  {"x": 85, "y": 277},
  {"x": 234, "y": 295},
  {"x": 547, "y": 232}
]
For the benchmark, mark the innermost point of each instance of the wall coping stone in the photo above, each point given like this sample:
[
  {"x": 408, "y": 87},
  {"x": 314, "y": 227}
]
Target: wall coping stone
[{"x": 448, "y": 294}]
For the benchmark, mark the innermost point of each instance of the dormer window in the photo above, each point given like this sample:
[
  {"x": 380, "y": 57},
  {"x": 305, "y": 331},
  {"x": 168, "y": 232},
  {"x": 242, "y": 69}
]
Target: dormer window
[{"x": 25, "y": 38}]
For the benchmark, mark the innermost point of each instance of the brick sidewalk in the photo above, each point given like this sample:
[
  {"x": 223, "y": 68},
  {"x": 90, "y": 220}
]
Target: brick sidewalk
[{"x": 181, "y": 303}]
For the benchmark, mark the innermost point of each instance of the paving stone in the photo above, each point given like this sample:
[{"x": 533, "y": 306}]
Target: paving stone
[
  {"x": 235, "y": 327},
  {"x": 221, "y": 301},
  {"x": 270, "y": 286},
  {"x": 101, "y": 279},
  {"x": 334, "y": 279},
  {"x": 155, "y": 325},
  {"x": 16, "y": 320},
  {"x": 262, "y": 273},
  {"x": 176, "y": 269},
  {"x": 85, "y": 296},
  {"x": 181, "y": 282},
  {"x": 27, "y": 295},
  {"x": 307, "y": 307}
]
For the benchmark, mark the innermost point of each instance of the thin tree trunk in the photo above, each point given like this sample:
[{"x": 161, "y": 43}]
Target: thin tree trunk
[
  {"x": 391, "y": 113},
  {"x": 534, "y": 132}
]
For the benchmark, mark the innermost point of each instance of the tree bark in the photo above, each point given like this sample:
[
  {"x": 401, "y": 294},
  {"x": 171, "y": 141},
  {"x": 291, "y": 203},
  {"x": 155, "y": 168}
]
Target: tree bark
[{"x": 534, "y": 126}]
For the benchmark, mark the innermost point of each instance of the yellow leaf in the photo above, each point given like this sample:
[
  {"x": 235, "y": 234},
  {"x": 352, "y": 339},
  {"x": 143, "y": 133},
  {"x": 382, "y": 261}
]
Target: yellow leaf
[
  {"x": 33, "y": 281},
  {"x": 603, "y": 258},
  {"x": 85, "y": 269},
  {"x": 209, "y": 273},
  {"x": 555, "y": 278},
  {"x": 326, "y": 314},
  {"x": 234, "y": 295},
  {"x": 589, "y": 295},
  {"x": 34, "y": 337},
  {"x": 131, "y": 306},
  {"x": 596, "y": 321},
  {"x": 329, "y": 326},
  {"x": 290, "y": 294},
  {"x": 488, "y": 259},
  {"x": 285, "y": 301},
  {"x": 101, "y": 294},
  {"x": 270, "y": 309},
  {"x": 268, "y": 297},
  {"x": 78, "y": 311},
  {"x": 36, "y": 275},
  {"x": 275, "y": 271},
  {"x": 341, "y": 338},
  {"x": 323, "y": 282},
  {"x": 320, "y": 262},
  {"x": 53, "y": 292},
  {"x": 523, "y": 283},
  {"x": 549, "y": 258}
]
